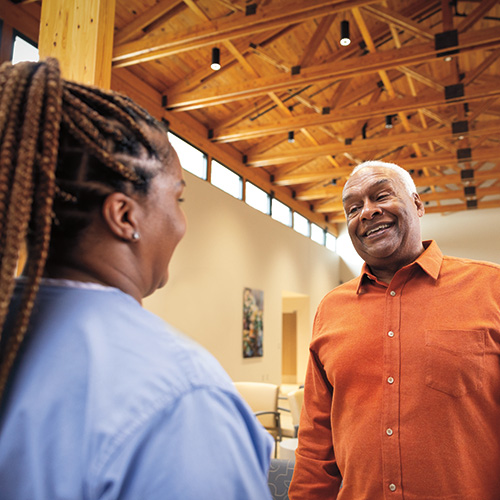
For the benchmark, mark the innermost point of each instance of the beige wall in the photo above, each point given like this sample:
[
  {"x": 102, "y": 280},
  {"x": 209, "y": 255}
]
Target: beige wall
[
  {"x": 473, "y": 234},
  {"x": 230, "y": 246}
]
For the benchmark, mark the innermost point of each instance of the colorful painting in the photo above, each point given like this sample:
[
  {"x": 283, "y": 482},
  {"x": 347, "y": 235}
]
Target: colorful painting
[{"x": 253, "y": 331}]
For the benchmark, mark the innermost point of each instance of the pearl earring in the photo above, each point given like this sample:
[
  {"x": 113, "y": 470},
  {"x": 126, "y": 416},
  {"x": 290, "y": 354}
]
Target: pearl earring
[{"x": 135, "y": 236}]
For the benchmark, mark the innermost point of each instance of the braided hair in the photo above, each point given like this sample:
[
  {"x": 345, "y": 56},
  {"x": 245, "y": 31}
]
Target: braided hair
[{"x": 59, "y": 143}]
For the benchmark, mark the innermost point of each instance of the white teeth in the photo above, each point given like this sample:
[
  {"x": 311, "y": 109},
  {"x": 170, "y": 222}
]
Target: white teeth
[{"x": 378, "y": 228}]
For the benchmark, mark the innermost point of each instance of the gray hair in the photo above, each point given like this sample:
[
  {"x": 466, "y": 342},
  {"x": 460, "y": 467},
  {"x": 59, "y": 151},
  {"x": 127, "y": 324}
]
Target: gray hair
[{"x": 403, "y": 174}]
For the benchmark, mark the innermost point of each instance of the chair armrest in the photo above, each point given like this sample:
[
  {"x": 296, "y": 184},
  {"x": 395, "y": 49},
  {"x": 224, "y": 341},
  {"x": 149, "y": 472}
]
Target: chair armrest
[{"x": 277, "y": 416}]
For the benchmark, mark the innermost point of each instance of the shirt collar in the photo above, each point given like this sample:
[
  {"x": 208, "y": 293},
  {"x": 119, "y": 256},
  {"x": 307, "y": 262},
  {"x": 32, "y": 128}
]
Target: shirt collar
[{"x": 429, "y": 260}]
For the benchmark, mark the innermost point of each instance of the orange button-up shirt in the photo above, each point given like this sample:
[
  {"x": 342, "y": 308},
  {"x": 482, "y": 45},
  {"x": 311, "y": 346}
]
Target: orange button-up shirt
[{"x": 402, "y": 393}]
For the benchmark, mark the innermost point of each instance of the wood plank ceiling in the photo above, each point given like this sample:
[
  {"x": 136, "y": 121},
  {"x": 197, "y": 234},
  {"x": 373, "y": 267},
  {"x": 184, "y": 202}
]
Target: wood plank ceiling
[{"x": 430, "y": 68}]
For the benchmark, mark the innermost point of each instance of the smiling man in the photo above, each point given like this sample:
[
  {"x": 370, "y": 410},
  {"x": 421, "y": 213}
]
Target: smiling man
[{"x": 402, "y": 393}]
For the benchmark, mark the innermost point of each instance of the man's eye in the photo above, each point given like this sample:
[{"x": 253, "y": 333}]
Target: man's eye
[
  {"x": 352, "y": 210},
  {"x": 382, "y": 196}
]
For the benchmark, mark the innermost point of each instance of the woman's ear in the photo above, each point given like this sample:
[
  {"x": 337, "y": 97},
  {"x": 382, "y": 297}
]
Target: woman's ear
[{"x": 121, "y": 214}]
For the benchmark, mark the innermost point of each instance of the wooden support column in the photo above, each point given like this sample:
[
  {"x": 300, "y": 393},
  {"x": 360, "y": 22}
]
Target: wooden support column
[
  {"x": 6, "y": 42},
  {"x": 80, "y": 34}
]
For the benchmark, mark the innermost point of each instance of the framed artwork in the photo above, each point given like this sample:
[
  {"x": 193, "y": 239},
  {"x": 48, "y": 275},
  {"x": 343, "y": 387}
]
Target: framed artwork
[{"x": 253, "y": 331}]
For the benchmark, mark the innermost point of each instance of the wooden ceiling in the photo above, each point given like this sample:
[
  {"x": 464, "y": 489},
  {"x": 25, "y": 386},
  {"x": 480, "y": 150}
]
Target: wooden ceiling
[{"x": 430, "y": 67}]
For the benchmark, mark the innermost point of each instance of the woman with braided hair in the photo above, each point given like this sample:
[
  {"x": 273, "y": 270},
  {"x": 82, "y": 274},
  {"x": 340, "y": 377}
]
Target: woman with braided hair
[{"x": 100, "y": 399}]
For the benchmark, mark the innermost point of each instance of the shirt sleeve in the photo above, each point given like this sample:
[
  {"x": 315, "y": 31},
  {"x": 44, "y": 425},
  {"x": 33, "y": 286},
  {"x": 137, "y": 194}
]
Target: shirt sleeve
[
  {"x": 209, "y": 446},
  {"x": 316, "y": 475}
]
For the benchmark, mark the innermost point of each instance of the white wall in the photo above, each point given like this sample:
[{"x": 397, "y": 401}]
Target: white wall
[
  {"x": 230, "y": 246},
  {"x": 474, "y": 234}
]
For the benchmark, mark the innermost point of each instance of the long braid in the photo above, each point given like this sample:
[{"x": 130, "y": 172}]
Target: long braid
[
  {"x": 16, "y": 190},
  {"x": 58, "y": 141},
  {"x": 22, "y": 202}
]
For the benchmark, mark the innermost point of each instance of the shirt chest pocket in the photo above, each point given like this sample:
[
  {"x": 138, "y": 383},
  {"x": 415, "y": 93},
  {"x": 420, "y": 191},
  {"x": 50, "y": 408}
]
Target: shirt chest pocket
[{"x": 454, "y": 360}]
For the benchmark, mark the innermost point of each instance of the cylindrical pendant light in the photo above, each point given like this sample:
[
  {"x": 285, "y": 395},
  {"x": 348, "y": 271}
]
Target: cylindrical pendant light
[
  {"x": 344, "y": 33},
  {"x": 215, "y": 59}
]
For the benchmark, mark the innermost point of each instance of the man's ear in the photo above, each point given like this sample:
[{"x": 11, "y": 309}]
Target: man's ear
[
  {"x": 419, "y": 204},
  {"x": 120, "y": 213}
]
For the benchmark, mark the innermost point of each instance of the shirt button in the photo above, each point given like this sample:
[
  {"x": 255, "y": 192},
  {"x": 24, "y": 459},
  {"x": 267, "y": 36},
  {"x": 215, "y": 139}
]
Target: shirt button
[
  {"x": 392, "y": 487},
  {"x": 389, "y": 432},
  {"x": 390, "y": 380},
  {"x": 393, "y": 293},
  {"x": 391, "y": 334}
]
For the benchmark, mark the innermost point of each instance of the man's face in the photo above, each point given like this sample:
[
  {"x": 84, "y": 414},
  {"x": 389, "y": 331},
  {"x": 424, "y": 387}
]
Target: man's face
[{"x": 382, "y": 218}]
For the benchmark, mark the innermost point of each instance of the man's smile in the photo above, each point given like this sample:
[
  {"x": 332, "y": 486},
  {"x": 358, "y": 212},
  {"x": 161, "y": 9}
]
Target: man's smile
[{"x": 376, "y": 229}]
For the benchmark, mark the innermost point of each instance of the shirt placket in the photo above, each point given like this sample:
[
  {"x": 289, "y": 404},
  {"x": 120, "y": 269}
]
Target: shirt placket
[{"x": 390, "y": 428}]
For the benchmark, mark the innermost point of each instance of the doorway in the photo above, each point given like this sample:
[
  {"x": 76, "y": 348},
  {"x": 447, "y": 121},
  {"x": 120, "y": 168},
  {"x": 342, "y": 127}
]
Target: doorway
[
  {"x": 289, "y": 348},
  {"x": 295, "y": 337}
]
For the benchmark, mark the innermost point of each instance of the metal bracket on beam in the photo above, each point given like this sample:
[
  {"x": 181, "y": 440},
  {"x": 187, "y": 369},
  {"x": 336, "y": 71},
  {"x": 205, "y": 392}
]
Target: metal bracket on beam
[
  {"x": 460, "y": 127},
  {"x": 454, "y": 91},
  {"x": 164, "y": 101},
  {"x": 295, "y": 70},
  {"x": 251, "y": 9},
  {"x": 445, "y": 40},
  {"x": 464, "y": 154},
  {"x": 470, "y": 191},
  {"x": 471, "y": 204},
  {"x": 210, "y": 133},
  {"x": 348, "y": 142},
  {"x": 467, "y": 174},
  {"x": 325, "y": 110},
  {"x": 245, "y": 159}
]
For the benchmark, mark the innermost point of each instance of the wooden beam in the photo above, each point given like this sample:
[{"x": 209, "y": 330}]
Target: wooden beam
[
  {"x": 25, "y": 19},
  {"x": 460, "y": 207},
  {"x": 6, "y": 42},
  {"x": 204, "y": 73},
  {"x": 393, "y": 106},
  {"x": 435, "y": 160},
  {"x": 458, "y": 194},
  {"x": 420, "y": 77},
  {"x": 358, "y": 16},
  {"x": 478, "y": 70},
  {"x": 154, "y": 46},
  {"x": 367, "y": 145},
  {"x": 381, "y": 13},
  {"x": 371, "y": 63},
  {"x": 316, "y": 40},
  {"x": 442, "y": 209},
  {"x": 313, "y": 176},
  {"x": 262, "y": 54},
  {"x": 135, "y": 28},
  {"x": 474, "y": 16},
  {"x": 436, "y": 180},
  {"x": 80, "y": 35},
  {"x": 191, "y": 130}
]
